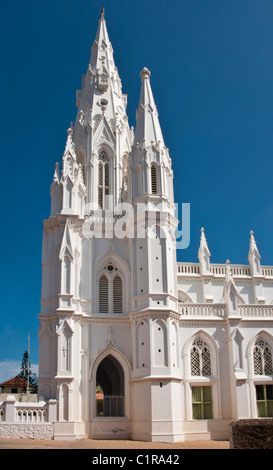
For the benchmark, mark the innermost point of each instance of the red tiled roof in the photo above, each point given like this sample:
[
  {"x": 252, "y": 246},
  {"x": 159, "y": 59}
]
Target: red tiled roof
[{"x": 15, "y": 382}]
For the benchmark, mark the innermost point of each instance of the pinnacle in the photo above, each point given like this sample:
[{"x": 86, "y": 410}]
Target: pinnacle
[
  {"x": 252, "y": 245},
  {"x": 147, "y": 126}
]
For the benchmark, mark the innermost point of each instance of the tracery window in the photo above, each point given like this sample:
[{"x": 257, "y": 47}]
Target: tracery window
[
  {"x": 103, "y": 179},
  {"x": 262, "y": 358},
  {"x": 200, "y": 359}
]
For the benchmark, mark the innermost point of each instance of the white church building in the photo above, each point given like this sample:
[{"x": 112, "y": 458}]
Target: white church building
[{"x": 134, "y": 344}]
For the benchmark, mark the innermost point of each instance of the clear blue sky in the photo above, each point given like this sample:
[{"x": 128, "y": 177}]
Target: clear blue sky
[{"x": 211, "y": 64}]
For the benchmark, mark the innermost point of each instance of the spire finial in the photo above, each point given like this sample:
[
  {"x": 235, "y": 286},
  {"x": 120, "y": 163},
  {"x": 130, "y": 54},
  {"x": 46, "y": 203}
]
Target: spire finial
[
  {"x": 203, "y": 241},
  {"x": 252, "y": 240},
  {"x": 102, "y": 13},
  {"x": 252, "y": 244},
  {"x": 145, "y": 73}
]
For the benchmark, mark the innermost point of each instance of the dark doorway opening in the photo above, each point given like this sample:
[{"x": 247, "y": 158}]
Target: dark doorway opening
[{"x": 110, "y": 388}]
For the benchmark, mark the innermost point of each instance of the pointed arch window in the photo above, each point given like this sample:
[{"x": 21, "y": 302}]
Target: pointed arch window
[
  {"x": 262, "y": 358},
  {"x": 154, "y": 179},
  {"x": 117, "y": 295},
  {"x": 66, "y": 274},
  {"x": 103, "y": 294},
  {"x": 103, "y": 179},
  {"x": 200, "y": 359},
  {"x": 110, "y": 291}
]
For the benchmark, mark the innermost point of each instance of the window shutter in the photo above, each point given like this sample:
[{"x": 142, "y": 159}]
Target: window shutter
[
  {"x": 103, "y": 294},
  {"x": 153, "y": 179},
  {"x": 117, "y": 295}
]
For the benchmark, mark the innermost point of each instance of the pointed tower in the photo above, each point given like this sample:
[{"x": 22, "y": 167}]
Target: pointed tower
[
  {"x": 83, "y": 276},
  {"x": 98, "y": 277},
  {"x": 151, "y": 182},
  {"x": 154, "y": 310},
  {"x": 152, "y": 176},
  {"x": 101, "y": 131}
]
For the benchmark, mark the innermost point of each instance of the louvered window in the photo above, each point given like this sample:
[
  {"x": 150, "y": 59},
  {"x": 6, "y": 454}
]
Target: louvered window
[
  {"x": 103, "y": 294},
  {"x": 103, "y": 179},
  {"x": 117, "y": 295},
  {"x": 110, "y": 291},
  {"x": 153, "y": 179}
]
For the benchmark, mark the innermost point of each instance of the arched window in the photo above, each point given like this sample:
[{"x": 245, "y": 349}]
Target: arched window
[
  {"x": 153, "y": 179},
  {"x": 66, "y": 274},
  {"x": 103, "y": 294},
  {"x": 110, "y": 291},
  {"x": 117, "y": 295},
  {"x": 262, "y": 358},
  {"x": 103, "y": 179},
  {"x": 200, "y": 359}
]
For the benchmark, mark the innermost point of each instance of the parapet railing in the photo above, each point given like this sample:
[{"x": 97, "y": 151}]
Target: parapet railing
[
  {"x": 220, "y": 269},
  {"x": 219, "y": 310},
  {"x": 203, "y": 310},
  {"x": 31, "y": 413},
  {"x": 255, "y": 310},
  {"x": 13, "y": 411}
]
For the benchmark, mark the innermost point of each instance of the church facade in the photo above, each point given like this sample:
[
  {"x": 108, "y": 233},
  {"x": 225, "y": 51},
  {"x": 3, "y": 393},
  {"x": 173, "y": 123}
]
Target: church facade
[{"x": 134, "y": 344}]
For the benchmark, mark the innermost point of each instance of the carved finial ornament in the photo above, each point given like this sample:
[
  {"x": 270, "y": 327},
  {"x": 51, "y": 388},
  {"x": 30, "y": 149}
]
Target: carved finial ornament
[{"x": 145, "y": 73}]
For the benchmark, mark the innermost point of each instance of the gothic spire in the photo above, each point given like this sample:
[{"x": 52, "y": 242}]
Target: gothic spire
[
  {"x": 252, "y": 245},
  {"x": 102, "y": 33},
  {"x": 203, "y": 242},
  {"x": 204, "y": 253},
  {"x": 147, "y": 125},
  {"x": 101, "y": 94},
  {"x": 254, "y": 256}
]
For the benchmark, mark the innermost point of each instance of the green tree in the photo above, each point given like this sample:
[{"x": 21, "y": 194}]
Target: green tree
[{"x": 26, "y": 373}]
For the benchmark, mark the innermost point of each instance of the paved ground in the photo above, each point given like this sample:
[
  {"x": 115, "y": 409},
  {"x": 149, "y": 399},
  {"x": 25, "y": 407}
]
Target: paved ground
[{"x": 101, "y": 444}]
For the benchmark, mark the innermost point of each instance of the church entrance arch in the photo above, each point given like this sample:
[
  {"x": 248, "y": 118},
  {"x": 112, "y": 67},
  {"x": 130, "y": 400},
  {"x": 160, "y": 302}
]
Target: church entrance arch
[{"x": 109, "y": 388}]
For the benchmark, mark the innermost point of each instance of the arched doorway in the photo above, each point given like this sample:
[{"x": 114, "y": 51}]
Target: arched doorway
[{"x": 109, "y": 388}]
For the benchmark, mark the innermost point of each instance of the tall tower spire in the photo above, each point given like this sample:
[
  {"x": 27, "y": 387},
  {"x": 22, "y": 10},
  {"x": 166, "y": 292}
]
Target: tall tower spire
[
  {"x": 147, "y": 126},
  {"x": 101, "y": 131},
  {"x": 153, "y": 176}
]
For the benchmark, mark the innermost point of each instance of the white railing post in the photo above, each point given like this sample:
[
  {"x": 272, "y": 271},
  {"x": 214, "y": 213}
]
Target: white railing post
[
  {"x": 52, "y": 411},
  {"x": 10, "y": 408}
]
